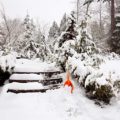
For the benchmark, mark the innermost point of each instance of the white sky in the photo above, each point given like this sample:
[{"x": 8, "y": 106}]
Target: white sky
[{"x": 45, "y": 11}]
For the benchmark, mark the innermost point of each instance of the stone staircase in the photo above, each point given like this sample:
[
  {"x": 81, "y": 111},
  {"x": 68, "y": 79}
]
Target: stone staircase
[{"x": 32, "y": 82}]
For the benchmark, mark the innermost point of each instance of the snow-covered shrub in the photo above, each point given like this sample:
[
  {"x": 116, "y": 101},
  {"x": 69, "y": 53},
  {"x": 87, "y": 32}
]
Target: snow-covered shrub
[
  {"x": 117, "y": 86},
  {"x": 102, "y": 93},
  {"x": 98, "y": 75},
  {"x": 98, "y": 87},
  {"x": 82, "y": 65},
  {"x": 7, "y": 64}
]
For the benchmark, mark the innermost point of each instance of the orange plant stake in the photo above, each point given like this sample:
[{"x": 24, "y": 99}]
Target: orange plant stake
[{"x": 68, "y": 82}]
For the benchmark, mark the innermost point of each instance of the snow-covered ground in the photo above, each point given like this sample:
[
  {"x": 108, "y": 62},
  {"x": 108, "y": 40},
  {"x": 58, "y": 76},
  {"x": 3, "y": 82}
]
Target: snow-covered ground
[
  {"x": 54, "y": 105},
  {"x": 57, "y": 104}
]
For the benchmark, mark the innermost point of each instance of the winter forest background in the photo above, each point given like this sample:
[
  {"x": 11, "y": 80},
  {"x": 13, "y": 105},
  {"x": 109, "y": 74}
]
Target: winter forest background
[{"x": 86, "y": 41}]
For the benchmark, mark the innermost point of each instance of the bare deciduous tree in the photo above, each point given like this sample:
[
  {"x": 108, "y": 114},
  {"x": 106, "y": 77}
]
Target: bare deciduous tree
[{"x": 11, "y": 29}]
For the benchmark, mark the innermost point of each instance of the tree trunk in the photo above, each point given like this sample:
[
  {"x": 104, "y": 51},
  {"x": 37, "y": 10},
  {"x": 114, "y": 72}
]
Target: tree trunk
[
  {"x": 77, "y": 10},
  {"x": 112, "y": 16}
]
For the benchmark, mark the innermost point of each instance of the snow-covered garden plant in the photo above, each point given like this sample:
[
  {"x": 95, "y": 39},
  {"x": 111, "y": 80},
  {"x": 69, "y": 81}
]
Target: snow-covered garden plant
[{"x": 7, "y": 63}]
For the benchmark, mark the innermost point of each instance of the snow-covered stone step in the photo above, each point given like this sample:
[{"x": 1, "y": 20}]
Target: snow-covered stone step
[
  {"x": 51, "y": 81},
  {"x": 44, "y": 82},
  {"x": 48, "y": 73},
  {"x": 26, "y": 77},
  {"x": 27, "y": 91},
  {"x": 25, "y": 65},
  {"x": 29, "y": 87},
  {"x": 25, "y": 86}
]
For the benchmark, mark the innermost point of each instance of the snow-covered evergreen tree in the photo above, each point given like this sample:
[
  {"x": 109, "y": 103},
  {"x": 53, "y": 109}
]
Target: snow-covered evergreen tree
[
  {"x": 66, "y": 43},
  {"x": 84, "y": 43},
  {"x": 38, "y": 36},
  {"x": 35, "y": 50},
  {"x": 29, "y": 29},
  {"x": 63, "y": 23},
  {"x": 54, "y": 32},
  {"x": 71, "y": 30},
  {"x": 29, "y": 44},
  {"x": 97, "y": 32}
]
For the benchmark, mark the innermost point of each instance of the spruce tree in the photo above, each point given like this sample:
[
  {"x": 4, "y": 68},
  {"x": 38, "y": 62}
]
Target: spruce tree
[
  {"x": 63, "y": 23},
  {"x": 29, "y": 28},
  {"x": 29, "y": 41},
  {"x": 71, "y": 31},
  {"x": 54, "y": 32},
  {"x": 66, "y": 42},
  {"x": 84, "y": 42}
]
